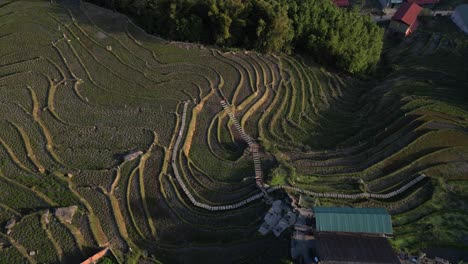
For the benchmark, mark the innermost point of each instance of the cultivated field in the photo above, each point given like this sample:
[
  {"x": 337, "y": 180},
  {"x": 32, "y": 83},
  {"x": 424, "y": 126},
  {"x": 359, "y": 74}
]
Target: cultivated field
[{"x": 83, "y": 87}]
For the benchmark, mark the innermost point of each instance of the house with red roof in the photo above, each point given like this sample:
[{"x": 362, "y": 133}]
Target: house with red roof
[
  {"x": 341, "y": 3},
  {"x": 405, "y": 20}
]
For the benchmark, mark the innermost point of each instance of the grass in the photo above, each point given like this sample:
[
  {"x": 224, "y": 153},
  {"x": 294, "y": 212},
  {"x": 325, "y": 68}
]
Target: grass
[{"x": 79, "y": 90}]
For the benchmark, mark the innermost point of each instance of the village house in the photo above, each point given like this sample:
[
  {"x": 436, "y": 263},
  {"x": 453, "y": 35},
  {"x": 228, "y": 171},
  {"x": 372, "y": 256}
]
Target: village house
[
  {"x": 405, "y": 20},
  {"x": 354, "y": 248}
]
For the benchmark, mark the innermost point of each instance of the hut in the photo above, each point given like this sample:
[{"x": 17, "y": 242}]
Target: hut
[
  {"x": 460, "y": 17},
  {"x": 405, "y": 20}
]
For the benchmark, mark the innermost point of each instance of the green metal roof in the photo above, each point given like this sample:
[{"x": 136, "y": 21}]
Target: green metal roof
[{"x": 359, "y": 220}]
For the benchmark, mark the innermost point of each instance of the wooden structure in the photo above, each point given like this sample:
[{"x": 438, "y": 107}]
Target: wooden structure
[{"x": 374, "y": 221}]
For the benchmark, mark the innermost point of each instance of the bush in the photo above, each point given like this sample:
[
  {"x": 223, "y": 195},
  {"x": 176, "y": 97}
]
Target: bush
[{"x": 338, "y": 37}]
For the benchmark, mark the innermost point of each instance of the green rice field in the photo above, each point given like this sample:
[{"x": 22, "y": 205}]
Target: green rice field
[{"x": 81, "y": 87}]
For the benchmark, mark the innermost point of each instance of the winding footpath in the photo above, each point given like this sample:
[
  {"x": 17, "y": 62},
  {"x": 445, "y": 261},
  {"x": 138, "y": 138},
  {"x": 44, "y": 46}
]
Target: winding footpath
[{"x": 259, "y": 175}]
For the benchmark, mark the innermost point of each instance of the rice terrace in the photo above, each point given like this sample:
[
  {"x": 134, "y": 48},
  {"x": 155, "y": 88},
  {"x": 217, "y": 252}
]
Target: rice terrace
[{"x": 129, "y": 148}]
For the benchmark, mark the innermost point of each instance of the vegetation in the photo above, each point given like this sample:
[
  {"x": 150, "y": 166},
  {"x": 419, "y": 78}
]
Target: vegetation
[
  {"x": 338, "y": 37},
  {"x": 83, "y": 87},
  {"x": 106, "y": 260}
]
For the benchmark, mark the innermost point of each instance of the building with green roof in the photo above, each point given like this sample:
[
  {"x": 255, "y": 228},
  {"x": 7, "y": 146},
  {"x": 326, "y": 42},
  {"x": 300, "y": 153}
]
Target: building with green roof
[
  {"x": 460, "y": 17},
  {"x": 353, "y": 220}
]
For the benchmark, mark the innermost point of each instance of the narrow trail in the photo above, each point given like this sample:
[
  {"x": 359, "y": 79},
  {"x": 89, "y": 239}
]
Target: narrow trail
[{"x": 259, "y": 175}]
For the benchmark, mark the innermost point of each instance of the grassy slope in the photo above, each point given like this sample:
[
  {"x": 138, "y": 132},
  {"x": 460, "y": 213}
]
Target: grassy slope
[
  {"x": 79, "y": 90},
  {"x": 413, "y": 119}
]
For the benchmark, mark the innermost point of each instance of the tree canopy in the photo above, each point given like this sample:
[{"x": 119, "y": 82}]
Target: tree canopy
[{"x": 338, "y": 37}]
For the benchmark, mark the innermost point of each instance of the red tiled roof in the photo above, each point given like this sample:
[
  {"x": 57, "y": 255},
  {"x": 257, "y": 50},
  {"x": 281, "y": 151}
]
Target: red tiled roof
[
  {"x": 341, "y": 3},
  {"x": 407, "y": 13},
  {"x": 424, "y": 2}
]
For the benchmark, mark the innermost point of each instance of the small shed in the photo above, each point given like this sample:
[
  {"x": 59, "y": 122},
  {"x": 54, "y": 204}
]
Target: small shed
[
  {"x": 460, "y": 17},
  {"x": 335, "y": 248},
  {"x": 405, "y": 20},
  {"x": 353, "y": 220}
]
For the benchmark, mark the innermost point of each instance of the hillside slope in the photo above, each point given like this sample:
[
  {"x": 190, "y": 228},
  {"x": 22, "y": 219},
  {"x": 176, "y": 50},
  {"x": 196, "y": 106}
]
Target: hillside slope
[{"x": 81, "y": 88}]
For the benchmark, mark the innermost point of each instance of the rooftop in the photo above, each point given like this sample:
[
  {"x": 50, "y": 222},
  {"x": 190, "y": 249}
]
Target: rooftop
[
  {"x": 351, "y": 248},
  {"x": 359, "y": 220},
  {"x": 407, "y": 13}
]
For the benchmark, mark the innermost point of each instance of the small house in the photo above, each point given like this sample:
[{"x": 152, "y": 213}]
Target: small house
[
  {"x": 460, "y": 17},
  {"x": 373, "y": 221},
  {"x": 405, "y": 20}
]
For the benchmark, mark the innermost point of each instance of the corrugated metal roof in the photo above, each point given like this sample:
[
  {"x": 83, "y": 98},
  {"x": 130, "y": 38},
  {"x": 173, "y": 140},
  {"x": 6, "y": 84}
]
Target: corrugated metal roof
[{"x": 359, "y": 220}]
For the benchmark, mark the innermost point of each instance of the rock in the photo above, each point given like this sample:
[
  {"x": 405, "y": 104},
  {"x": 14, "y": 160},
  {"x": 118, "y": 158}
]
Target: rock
[
  {"x": 46, "y": 217},
  {"x": 69, "y": 175},
  {"x": 10, "y": 224},
  {"x": 65, "y": 214},
  {"x": 133, "y": 155}
]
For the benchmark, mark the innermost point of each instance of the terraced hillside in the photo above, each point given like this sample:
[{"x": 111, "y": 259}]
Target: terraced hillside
[{"x": 83, "y": 87}]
